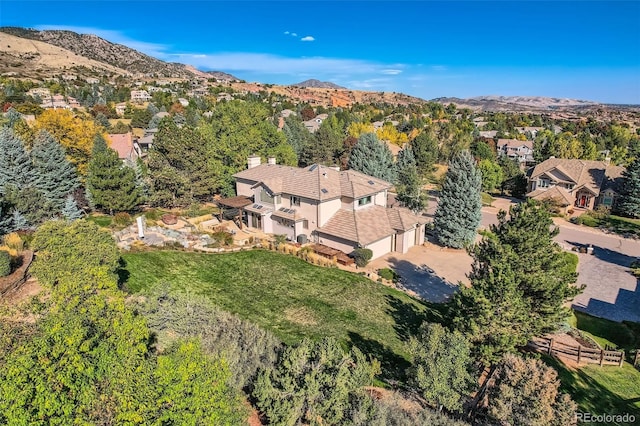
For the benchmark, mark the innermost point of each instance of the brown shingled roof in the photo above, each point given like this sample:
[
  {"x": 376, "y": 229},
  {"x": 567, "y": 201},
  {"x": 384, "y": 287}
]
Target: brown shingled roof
[
  {"x": 592, "y": 175},
  {"x": 555, "y": 193},
  {"x": 370, "y": 224},
  {"x": 122, "y": 144},
  {"x": 315, "y": 182}
]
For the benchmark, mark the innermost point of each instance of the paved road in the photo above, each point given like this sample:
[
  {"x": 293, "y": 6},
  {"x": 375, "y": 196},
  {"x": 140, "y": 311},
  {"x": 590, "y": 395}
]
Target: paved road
[{"x": 611, "y": 291}]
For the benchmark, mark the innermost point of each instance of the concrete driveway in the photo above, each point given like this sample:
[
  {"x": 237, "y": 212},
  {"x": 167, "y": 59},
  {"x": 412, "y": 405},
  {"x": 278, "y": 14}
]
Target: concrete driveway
[{"x": 611, "y": 291}]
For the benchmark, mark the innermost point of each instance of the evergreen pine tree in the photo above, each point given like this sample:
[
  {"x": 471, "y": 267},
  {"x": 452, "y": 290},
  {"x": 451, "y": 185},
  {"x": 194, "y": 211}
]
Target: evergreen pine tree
[
  {"x": 136, "y": 166},
  {"x": 13, "y": 117},
  {"x": 425, "y": 150},
  {"x": 409, "y": 185},
  {"x": 71, "y": 211},
  {"x": 509, "y": 300},
  {"x": 112, "y": 185},
  {"x": 56, "y": 176},
  {"x": 458, "y": 214},
  {"x": 16, "y": 168},
  {"x": 628, "y": 203},
  {"x": 5, "y": 218},
  {"x": 18, "y": 221},
  {"x": 373, "y": 158}
]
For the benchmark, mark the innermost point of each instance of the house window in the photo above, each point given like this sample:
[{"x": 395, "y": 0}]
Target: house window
[
  {"x": 364, "y": 201},
  {"x": 543, "y": 183},
  {"x": 295, "y": 201},
  {"x": 607, "y": 201},
  {"x": 265, "y": 197},
  {"x": 569, "y": 186},
  {"x": 305, "y": 224}
]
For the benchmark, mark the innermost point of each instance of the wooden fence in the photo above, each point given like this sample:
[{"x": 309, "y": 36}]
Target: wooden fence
[
  {"x": 17, "y": 277},
  {"x": 577, "y": 353}
]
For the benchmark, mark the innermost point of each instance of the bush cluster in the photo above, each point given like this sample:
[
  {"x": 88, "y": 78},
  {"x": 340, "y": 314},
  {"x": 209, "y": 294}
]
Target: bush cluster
[{"x": 5, "y": 263}]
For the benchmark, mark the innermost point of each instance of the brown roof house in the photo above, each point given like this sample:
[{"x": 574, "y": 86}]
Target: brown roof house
[
  {"x": 341, "y": 209},
  {"x": 521, "y": 151},
  {"x": 580, "y": 184},
  {"x": 124, "y": 145}
]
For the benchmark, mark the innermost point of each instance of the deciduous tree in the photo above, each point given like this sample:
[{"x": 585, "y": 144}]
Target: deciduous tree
[
  {"x": 441, "y": 366},
  {"x": 525, "y": 392}
]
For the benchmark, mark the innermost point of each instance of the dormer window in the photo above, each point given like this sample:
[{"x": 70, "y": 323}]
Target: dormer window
[
  {"x": 295, "y": 201},
  {"x": 543, "y": 183},
  {"x": 364, "y": 201}
]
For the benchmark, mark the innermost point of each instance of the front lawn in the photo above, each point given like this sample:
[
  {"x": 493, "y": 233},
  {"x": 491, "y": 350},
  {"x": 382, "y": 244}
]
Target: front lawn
[{"x": 291, "y": 297}]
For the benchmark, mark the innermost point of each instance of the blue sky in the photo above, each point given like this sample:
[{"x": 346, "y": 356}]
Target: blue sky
[{"x": 569, "y": 49}]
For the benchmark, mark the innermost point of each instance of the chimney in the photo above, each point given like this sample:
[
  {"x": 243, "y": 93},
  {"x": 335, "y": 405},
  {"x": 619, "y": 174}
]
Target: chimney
[
  {"x": 607, "y": 160},
  {"x": 253, "y": 161},
  {"x": 271, "y": 160},
  {"x": 336, "y": 168}
]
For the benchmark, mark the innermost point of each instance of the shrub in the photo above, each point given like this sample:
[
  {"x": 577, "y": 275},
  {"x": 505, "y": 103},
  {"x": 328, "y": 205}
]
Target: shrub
[
  {"x": 5, "y": 263},
  {"x": 587, "y": 220},
  {"x": 122, "y": 219},
  {"x": 362, "y": 256},
  {"x": 14, "y": 241},
  {"x": 223, "y": 238},
  {"x": 388, "y": 274},
  {"x": 152, "y": 214}
]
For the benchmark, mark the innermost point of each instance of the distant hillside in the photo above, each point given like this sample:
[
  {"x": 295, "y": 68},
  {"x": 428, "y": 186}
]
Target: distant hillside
[
  {"x": 516, "y": 103},
  {"x": 100, "y": 50},
  {"x": 313, "y": 83},
  {"x": 35, "y": 59}
]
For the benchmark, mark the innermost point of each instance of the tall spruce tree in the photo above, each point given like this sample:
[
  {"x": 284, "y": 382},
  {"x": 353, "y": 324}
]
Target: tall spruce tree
[
  {"x": 409, "y": 185},
  {"x": 628, "y": 203},
  {"x": 511, "y": 300},
  {"x": 458, "y": 214},
  {"x": 56, "y": 176},
  {"x": 373, "y": 158},
  {"x": 16, "y": 168},
  {"x": 112, "y": 185}
]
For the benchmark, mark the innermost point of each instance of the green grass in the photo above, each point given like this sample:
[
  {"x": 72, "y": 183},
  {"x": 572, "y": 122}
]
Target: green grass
[
  {"x": 622, "y": 335},
  {"x": 623, "y": 224},
  {"x": 291, "y": 298},
  {"x": 607, "y": 389},
  {"x": 486, "y": 199},
  {"x": 601, "y": 390},
  {"x": 103, "y": 221}
]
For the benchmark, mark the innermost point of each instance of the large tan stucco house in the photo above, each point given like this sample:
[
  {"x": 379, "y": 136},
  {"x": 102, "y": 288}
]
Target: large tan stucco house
[
  {"x": 340, "y": 209},
  {"x": 575, "y": 184}
]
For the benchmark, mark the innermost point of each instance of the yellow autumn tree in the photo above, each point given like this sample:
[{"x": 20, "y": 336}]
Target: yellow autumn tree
[
  {"x": 356, "y": 129},
  {"x": 74, "y": 134},
  {"x": 389, "y": 133}
]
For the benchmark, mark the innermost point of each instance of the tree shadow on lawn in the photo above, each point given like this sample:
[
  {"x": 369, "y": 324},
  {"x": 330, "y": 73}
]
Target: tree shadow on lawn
[
  {"x": 393, "y": 366},
  {"x": 123, "y": 275},
  {"x": 588, "y": 393},
  {"x": 408, "y": 318}
]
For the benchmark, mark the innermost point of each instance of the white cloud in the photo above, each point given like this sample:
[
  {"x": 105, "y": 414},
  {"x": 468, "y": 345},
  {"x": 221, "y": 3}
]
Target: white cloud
[
  {"x": 152, "y": 49},
  {"x": 294, "y": 35},
  {"x": 286, "y": 32},
  {"x": 390, "y": 72},
  {"x": 265, "y": 63},
  {"x": 307, "y": 38}
]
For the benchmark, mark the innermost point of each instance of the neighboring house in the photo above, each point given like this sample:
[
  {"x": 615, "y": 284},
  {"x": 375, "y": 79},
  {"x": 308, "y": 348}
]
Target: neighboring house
[
  {"x": 92, "y": 80},
  {"x": 140, "y": 96},
  {"x": 146, "y": 141},
  {"x": 533, "y": 131},
  {"x": 184, "y": 102},
  {"x": 578, "y": 184},
  {"x": 341, "y": 209},
  {"x": 314, "y": 124},
  {"x": 522, "y": 151},
  {"x": 489, "y": 134},
  {"x": 41, "y": 92},
  {"x": 123, "y": 144},
  {"x": 58, "y": 102}
]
